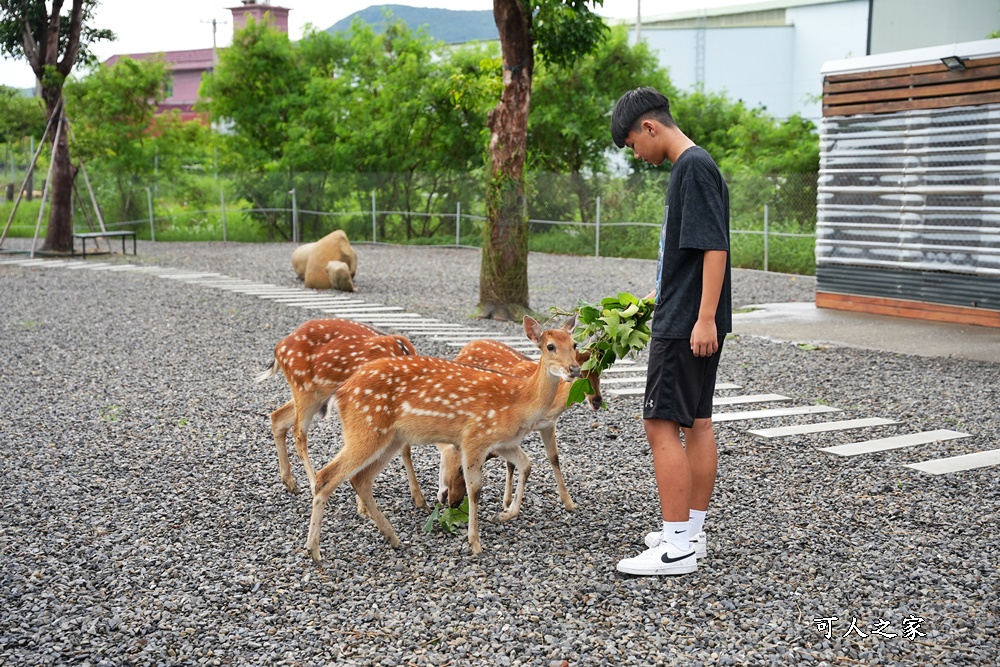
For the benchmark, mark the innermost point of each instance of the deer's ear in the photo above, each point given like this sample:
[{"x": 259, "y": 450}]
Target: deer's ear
[
  {"x": 570, "y": 324},
  {"x": 532, "y": 329}
]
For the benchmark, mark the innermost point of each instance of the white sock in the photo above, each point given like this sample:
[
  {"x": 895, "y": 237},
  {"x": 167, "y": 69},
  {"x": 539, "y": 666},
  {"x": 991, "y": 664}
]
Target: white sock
[
  {"x": 676, "y": 532},
  {"x": 696, "y": 521}
]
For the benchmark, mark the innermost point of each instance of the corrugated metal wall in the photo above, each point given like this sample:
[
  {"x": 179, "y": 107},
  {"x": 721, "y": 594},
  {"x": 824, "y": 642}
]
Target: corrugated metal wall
[
  {"x": 915, "y": 190},
  {"x": 908, "y": 200}
]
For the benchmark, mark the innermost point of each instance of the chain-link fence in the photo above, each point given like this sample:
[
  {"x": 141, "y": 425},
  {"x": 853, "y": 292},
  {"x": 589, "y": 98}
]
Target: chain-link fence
[
  {"x": 16, "y": 158},
  {"x": 773, "y": 218}
]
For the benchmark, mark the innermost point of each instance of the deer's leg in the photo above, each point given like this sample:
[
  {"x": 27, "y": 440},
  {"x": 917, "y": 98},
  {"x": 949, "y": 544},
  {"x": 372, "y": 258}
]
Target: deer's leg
[
  {"x": 411, "y": 478},
  {"x": 508, "y": 487},
  {"x": 353, "y": 456},
  {"x": 306, "y": 406},
  {"x": 282, "y": 420},
  {"x": 549, "y": 439},
  {"x": 514, "y": 454},
  {"x": 451, "y": 480},
  {"x": 362, "y": 482},
  {"x": 472, "y": 462}
]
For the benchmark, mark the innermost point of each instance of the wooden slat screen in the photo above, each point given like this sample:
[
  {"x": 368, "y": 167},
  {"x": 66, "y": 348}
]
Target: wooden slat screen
[{"x": 919, "y": 87}]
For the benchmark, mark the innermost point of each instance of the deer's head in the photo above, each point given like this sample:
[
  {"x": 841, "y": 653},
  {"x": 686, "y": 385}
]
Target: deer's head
[{"x": 557, "y": 346}]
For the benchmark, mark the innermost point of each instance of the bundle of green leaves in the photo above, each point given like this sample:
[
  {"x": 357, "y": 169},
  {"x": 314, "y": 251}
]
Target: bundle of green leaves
[
  {"x": 448, "y": 518},
  {"x": 614, "y": 328}
]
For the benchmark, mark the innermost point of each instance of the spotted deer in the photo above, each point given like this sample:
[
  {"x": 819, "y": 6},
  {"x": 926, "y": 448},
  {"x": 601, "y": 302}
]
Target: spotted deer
[
  {"x": 426, "y": 400},
  {"x": 316, "y": 358},
  {"x": 494, "y": 355}
]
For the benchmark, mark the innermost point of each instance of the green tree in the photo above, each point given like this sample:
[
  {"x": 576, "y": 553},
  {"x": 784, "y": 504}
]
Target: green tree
[
  {"x": 257, "y": 92},
  {"x": 740, "y": 138},
  {"x": 117, "y": 127},
  {"x": 396, "y": 104},
  {"x": 562, "y": 31},
  {"x": 20, "y": 116},
  {"x": 52, "y": 43},
  {"x": 406, "y": 110},
  {"x": 568, "y": 128}
]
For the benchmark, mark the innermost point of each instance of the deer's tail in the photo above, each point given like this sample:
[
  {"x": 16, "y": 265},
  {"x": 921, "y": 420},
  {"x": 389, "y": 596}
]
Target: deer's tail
[{"x": 272, "y": 369}]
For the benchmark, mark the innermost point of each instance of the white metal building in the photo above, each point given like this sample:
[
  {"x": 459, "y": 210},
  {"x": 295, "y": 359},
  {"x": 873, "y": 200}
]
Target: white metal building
[{"x": 770, "y": 53}]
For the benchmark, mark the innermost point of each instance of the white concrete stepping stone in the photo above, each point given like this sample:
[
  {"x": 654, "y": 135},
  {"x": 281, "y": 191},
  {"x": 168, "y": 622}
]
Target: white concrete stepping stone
[
  {"x": 87, "y": 265},
  {"x": 958, "y": 463},
  {"x": 194, "y": 278},
  {"x": 895, "y": 442},
  {"x": 362, "y": 309},
  {"x": 377, "y": 318},
  {"x": 748, "y": 398},
  {"x": 773, "y": 412},
  {"x": 822, "y": 427},
  {"x": 620, "y": 367}
]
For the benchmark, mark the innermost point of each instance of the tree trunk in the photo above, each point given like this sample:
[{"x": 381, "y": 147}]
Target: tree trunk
[
  {"x": 41, "y": 54},
  {"x": 59, "y": 237},
  {"x": 503, "y": 276}
]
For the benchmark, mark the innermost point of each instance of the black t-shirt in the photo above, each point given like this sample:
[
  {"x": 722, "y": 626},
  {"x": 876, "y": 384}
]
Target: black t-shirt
[{"x": 695, "y": 219}]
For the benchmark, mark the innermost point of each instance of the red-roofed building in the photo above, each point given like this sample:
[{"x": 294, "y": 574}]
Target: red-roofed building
[{"x": 187, "y": 67}]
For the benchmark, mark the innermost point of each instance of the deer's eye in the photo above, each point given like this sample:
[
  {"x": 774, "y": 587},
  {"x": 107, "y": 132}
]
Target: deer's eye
[{"x": 550, "y": 347}]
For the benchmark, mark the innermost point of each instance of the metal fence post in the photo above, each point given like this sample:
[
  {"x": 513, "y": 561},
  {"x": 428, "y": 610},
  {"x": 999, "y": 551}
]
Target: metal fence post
[
  {"x": 765, "y": 237},
  {"x": 373, "y": 216},
  {"x": 152, "y": 228},
  {"x": 222, "y": 196},
  {"x": 295, "y": 218},
  {"x": 458, "y": 223},
  {"x": 597, "y": 229}
]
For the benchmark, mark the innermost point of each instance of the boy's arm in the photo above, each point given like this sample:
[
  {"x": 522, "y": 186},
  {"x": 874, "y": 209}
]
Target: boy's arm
[{"x": 705, "y": 336}]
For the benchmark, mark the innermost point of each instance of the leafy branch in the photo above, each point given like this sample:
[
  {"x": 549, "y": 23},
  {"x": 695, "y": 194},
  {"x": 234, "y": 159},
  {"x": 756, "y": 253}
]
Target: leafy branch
[
  {"x": 612, "y": 329},
  {"x": 448, "y": 518}
]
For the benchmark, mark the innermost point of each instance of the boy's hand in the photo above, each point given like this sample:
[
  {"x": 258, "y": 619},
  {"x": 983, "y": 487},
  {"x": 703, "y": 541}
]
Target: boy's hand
[{"x": 704, "y": 338}]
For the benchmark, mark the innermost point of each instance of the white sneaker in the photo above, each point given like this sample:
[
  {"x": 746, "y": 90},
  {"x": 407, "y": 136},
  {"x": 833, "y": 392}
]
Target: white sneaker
[
  {"x": 699, "y": 542},
  {"x": 662, "y": 559}
]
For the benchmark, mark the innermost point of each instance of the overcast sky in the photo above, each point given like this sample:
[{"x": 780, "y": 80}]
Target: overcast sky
[{"x": 172, "y": 25}]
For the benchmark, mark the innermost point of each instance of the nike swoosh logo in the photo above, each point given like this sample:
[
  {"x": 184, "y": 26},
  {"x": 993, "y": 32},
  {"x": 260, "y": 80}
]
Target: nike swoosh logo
[
  {"x": 678, "y": 532},
  {"x": 665, "y": 559}
]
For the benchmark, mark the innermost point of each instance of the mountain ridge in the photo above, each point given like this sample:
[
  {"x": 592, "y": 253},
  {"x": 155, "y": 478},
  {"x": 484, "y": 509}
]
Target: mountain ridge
[{"x": 451, "y": 26}]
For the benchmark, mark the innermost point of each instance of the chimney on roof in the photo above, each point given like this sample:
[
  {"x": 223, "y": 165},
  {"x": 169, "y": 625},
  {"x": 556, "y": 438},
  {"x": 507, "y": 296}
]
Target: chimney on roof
[{"x": 259, "y": 11}]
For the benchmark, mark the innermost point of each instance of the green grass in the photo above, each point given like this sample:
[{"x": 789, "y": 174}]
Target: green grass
[{"x": 24, "y": 222}]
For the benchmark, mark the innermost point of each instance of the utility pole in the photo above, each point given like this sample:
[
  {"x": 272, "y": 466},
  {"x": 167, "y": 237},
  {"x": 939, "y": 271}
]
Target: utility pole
[
  {"x": 215, "y": 48},
  {"x": 638, "y": 21}
]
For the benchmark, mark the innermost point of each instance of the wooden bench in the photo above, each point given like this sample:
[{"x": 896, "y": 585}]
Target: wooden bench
[{"x": 83, "y": 236}]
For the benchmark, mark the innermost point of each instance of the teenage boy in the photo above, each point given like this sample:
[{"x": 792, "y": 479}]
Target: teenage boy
[{"x": 692, "y": 316}]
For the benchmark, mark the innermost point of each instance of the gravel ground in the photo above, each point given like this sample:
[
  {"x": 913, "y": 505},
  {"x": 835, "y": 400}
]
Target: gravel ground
[{"x": 144, "y": 522}]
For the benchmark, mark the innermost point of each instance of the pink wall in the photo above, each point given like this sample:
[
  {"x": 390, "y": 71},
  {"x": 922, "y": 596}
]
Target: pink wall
[
  {"x": 186, "y": 84},
  {"x": 278, "y": 16},
  {"x": 187, "y": 67}
]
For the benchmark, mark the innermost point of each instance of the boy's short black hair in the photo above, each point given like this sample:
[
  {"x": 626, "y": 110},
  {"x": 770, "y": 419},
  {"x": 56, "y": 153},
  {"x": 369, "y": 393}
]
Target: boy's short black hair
[{"x": 633, "y": 107}]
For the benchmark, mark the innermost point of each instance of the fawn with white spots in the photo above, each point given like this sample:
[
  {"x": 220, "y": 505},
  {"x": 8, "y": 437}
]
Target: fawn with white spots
[
  {"x": 316, "y": 359},
  {"x": 494, "y": 355},
  {"x": 426, "y": 400}
]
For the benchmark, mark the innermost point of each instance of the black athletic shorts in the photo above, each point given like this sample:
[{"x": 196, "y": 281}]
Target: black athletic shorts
[{"x": 679, "y": 385}]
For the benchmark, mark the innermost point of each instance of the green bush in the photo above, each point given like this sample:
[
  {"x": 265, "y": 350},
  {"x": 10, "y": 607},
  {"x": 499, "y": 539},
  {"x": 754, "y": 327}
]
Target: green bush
[{"x": 785, "y": 254}]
